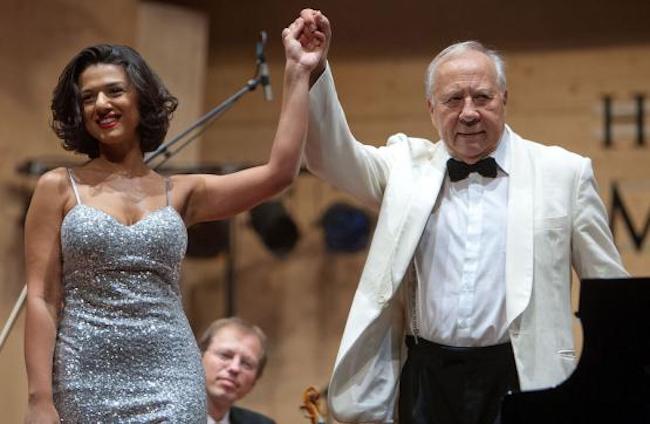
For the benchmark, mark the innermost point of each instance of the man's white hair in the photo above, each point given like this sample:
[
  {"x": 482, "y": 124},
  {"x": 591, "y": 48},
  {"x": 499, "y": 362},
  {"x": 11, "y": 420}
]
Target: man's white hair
[{"x": 455, "y": 50}]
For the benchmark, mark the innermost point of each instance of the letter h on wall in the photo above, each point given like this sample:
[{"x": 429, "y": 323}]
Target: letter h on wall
[{"x": 631, "y": 115}]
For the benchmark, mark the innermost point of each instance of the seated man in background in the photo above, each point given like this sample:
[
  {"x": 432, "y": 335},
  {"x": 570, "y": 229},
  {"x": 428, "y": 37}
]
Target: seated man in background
[{"x": 233, "y": 355}]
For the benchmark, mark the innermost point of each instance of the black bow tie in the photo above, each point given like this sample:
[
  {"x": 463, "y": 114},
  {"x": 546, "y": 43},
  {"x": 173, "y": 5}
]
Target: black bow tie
[{"x": 460, "y": 170}]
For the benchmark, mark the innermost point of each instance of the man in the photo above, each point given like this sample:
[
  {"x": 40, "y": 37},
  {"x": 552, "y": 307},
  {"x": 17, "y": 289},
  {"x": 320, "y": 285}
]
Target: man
[
  {"x": 233, "y": 355},
  {"x": 470, "y": 263}
]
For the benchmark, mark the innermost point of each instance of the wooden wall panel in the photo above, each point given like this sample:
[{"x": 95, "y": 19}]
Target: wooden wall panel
[{"x": 174, "y": 41}]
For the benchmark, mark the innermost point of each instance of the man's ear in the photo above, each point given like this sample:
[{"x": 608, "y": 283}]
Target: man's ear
[
  {"x": 429, "y": 105},
  {"x": 505, "y": 97}
]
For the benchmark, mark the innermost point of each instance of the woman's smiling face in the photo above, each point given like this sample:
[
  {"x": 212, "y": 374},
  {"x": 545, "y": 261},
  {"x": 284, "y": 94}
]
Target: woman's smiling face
[{"x": 109, "y": 104}]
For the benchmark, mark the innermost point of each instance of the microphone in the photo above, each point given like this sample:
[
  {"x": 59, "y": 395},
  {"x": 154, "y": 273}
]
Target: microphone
[{"x": 263, "y": 67}]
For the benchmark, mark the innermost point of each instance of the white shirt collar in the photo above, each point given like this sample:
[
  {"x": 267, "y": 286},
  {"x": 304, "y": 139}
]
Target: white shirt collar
[
  {"x": 224, "y": 420},
  {"x": 500, "y": 154}
]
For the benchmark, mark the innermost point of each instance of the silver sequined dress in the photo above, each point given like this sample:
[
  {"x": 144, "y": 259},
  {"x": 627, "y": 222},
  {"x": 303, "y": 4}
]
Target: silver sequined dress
[{"x": 124, "y": 350}]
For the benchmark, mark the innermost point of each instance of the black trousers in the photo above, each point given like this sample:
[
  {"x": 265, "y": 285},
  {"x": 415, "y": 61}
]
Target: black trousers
[{"x": 451, "y": 385}]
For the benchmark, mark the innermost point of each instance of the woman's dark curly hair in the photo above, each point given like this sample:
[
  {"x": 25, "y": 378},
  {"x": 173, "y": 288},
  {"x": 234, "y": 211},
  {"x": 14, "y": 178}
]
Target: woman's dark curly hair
[{"x": 155, "y": 103}]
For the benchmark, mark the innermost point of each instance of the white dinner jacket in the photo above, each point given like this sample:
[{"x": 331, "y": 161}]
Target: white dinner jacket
[{"x": 556, "y": 220}]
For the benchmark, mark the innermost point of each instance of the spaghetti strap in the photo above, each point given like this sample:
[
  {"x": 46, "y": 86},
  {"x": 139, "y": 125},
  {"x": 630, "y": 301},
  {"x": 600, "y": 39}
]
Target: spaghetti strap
[
  {"x": 168, "y": 187},
  {"x": 74, "y": 186}
]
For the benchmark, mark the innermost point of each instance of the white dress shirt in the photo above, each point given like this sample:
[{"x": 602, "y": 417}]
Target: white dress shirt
[
  {"x": 459, "y": 298},
  {"x": 224, "y": 420}
]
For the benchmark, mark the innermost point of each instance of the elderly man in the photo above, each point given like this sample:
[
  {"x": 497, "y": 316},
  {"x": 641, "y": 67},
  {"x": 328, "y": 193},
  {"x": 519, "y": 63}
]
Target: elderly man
[
  {"x": 466, "y": 289},
  {"x": 233, "y": 355}
]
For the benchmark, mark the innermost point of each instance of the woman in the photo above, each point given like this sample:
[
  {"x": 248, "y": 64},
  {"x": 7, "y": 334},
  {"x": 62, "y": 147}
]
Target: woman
[{"x": 106, "y": 338}]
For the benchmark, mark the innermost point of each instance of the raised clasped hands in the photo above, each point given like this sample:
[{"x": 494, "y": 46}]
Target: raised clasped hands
[{"x": 306, "y": 40}]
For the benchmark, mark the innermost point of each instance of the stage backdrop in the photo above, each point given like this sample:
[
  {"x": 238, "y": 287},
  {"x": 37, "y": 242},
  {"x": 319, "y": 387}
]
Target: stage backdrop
[{"x": 583, "y": 87}]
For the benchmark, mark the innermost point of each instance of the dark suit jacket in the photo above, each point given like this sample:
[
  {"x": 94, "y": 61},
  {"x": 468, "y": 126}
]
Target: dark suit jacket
[{"x": 246, "y": 416}]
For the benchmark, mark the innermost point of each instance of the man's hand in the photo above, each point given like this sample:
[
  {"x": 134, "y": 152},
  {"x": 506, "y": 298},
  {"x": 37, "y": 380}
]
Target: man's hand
[{"x": 316, "y": 23}]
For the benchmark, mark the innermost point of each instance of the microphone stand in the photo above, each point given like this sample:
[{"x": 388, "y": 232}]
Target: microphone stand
[
  {"x": 261, "y": 77},
  {"x": 204, "y": 121},
  {"x": 13, "y": 315}
]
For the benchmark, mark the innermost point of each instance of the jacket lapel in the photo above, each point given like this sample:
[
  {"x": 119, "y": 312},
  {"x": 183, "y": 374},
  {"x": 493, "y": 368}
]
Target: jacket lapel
[
  {"x": 367, "y": 365},
  {"x": 425, "y": 192},
  {"x": 392, "y": 248},
  {"x": 519, "y": 244}
]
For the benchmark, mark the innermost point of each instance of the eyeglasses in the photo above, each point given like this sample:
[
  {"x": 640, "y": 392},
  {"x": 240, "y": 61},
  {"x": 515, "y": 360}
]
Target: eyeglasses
[{"x": 227, "y": 356}]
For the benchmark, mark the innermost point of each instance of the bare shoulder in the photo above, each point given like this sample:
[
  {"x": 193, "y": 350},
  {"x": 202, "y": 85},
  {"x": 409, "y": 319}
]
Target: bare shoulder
[
  {"x": 53, "y": 191},
  {"x": 183, "y": 186},
  {"x": 195, "y": 193},
  {"x": 54, "y": 182},
  {"x": 185, "y": 183},
  {"x": 193, "y": 182}
]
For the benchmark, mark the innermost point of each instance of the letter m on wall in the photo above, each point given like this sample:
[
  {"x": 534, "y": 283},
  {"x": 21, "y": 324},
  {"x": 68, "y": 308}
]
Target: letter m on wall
[{"x": 618, "y": 207}]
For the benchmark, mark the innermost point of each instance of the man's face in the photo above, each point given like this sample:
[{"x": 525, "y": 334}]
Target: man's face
[
  {"x": 467, "y": 106},
  {"x": 230, "y": 363}
]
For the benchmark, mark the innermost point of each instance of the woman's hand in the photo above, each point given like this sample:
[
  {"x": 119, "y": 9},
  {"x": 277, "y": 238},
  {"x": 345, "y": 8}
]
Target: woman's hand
[
  {"x": 41, "y": 412},
  {"x": 304, "y": 45}
]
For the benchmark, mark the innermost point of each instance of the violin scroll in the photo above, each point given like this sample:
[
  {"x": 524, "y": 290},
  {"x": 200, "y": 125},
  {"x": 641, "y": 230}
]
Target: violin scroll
[{"x": 310, "y": 405}]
